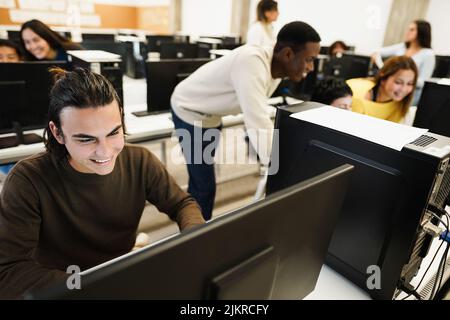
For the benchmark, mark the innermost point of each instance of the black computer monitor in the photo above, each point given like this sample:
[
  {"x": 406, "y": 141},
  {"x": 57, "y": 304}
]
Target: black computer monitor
[
  {"x": 433, "y": 110},
  {"x": 108, "y": 37},
  {"x": 162, "y": 78},
  {"x": 154, "y": 41},
  {"x": 386, "y": 202},
  {"x": 442, "y": 68},
  {"x": 272, "y": 249},
  {"x": 178, "y": 50},
  {"x": 14, "y": 35},
  {"x": 24, "y": 90},
  {"x": 348, "y": 66},
  {"x": 119, "y": 48}
]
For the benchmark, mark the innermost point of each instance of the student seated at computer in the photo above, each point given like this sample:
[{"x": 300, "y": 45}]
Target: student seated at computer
[
  {"x": 42, "y": 43},
  {"x": 389, "y": 94},
  {"x": 9, "y": 51},
  {"x": 337, "y": 48},
  {"x": 417, "y": 45},
  {"x": 333, "y": 92},
  {"x": 80, "y": 202}
]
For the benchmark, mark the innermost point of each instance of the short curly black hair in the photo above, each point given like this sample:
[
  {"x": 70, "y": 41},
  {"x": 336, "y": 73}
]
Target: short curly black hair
[
  {"x": 295, "y": 35},
  {"x": 329, "y": 89}
]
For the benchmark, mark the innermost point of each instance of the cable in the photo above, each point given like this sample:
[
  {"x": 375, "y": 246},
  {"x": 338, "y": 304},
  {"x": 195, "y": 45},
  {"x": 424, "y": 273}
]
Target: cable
[
  {"x": 426, "y": 271},
  {"x": 444, "y": 258},
  {"x": 439, "y": 275},
  {"x": 437, "y": 217},
  {"x": 443, "y": 261}
]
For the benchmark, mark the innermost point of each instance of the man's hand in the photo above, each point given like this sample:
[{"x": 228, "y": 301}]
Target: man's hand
[{"x": 142, "y": 240}]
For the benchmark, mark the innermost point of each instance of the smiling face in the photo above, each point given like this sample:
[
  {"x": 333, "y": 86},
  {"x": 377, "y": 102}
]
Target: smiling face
[
  {"x": 399, "y": 85},
  {"x": 93, "y": 137},
  {"x": 299, "y": 64},
  {"x": 36, "y": 45}
]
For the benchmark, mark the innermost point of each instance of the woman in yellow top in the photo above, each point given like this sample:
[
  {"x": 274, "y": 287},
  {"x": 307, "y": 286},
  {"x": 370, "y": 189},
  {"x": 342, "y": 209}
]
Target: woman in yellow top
[{"x": 388, "y": 95}]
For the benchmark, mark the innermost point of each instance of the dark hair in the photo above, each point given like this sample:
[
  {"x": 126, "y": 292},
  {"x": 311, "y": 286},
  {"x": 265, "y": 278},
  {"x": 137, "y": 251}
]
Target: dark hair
[
  {"x": 423, "y": 33},
  {"x": 263, "y": 7},
  {"x": 54, "y": 39},
  {"x": 329, "y": 89},
  {"x": 295, "y": 35},
  {"x": 390, "y": 67},
  {"x": 79, "y": 89},
  {"x": 11, "y": 44},
  {"x": 335, "y": 44}
]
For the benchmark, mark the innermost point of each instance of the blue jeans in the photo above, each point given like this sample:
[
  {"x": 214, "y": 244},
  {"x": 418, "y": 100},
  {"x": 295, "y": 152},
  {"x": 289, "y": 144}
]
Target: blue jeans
[{"x": 202, "y": 178}]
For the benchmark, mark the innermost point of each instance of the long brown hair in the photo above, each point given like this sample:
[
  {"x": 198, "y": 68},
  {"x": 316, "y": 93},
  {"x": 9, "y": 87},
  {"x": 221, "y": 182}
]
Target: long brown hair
[
  {"x": 79, "y": 89},
  {"x": 423, "y": 34},
  {"x": 54, "y": 39},
  {"x": 391, "y": 67},
  {"x": 263, "y": 7}
]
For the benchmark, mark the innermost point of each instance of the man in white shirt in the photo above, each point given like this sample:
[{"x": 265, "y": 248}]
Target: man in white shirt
[{"x": 240, "y": 82}]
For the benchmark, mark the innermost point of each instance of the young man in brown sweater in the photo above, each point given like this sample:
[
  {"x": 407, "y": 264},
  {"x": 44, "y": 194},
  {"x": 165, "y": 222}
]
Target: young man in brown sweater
[{"x": 80, "y": 202}]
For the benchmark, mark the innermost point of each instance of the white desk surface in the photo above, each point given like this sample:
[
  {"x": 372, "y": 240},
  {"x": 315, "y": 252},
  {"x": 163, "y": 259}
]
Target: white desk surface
[{"x": 333, "y": 286}]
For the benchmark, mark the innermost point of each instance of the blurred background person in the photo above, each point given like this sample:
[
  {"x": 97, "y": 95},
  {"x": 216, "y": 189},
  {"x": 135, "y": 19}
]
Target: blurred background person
[
  {"x": 9, "y": 51},
  {"x": 262, "y": 32},
  {"x": 417, "y": 45},
  {"x": 333, "y": 92},
  {"x": 337, "y": 48},
  {"x": 389, "y": 94},
  {"x": 42, "y": 43}
]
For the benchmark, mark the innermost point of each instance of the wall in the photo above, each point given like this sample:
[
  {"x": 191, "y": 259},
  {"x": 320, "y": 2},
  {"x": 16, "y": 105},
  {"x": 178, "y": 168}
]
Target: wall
[
  {"x": 151, "y": 15},
  {"x": 206, "y": 17},
  {"x": 438, "y": 16},
  {"x": 361, "y": 23}
]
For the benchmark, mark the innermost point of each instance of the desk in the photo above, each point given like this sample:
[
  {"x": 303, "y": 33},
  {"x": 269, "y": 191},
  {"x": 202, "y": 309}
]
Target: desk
[{"x": 333, "y": 286}]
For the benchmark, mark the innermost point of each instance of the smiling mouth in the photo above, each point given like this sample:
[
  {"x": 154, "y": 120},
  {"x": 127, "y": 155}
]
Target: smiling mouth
[{"x": 101, "y": 162}]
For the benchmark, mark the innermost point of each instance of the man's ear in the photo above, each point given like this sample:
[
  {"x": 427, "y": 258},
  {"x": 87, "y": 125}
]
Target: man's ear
[
  {"x": 287, "y": 54},
  {"x": 57, "y": 133}
]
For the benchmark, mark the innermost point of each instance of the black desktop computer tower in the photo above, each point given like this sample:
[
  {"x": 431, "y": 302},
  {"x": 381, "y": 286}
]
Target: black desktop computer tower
[
  {"x": 390, "y": 197},
  {"x": 101, "y": 62}
]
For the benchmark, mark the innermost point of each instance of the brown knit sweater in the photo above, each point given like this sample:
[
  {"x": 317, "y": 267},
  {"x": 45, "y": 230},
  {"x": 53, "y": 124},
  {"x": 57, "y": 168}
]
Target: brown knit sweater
[{"x": 52, "y": 216}]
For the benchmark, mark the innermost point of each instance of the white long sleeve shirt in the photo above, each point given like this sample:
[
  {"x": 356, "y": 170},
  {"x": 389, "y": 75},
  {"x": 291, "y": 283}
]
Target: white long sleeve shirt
[
  {"x": 240, "y": 82},
  {"x": 261, "y": 35}
]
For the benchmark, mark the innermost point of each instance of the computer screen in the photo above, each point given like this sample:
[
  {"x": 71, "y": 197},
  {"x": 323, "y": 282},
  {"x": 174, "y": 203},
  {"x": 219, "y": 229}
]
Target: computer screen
[
  {"x": 271, "y": 249},
  {"x": 14, "y": 35},
  {"x": 162, "y": 78},
  {"x": 154, "y": 41},
  {"x": 385, "y": 203},
  {"x": 433, "y": 110},
  {"x": 178, "y": 50},
  {"x": 25, "y": 91},
  {"x": 442, "y": 68},
  {"x": 109, "y": 37},
  {"x": 119, "y": 48},
  {"x": 348, "y": 66}
]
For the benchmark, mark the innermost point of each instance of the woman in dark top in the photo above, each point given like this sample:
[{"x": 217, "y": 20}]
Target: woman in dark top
[{"x": 42, "y": 43}]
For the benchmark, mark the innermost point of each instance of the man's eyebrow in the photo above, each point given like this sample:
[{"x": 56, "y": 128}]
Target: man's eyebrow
[{"x": 85, "y": 136}]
